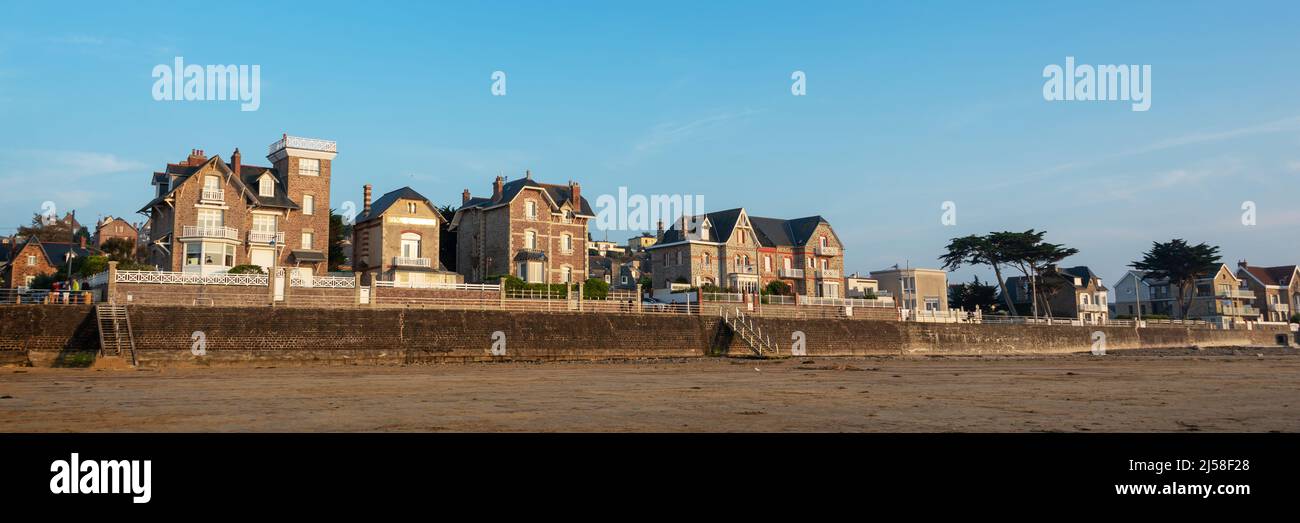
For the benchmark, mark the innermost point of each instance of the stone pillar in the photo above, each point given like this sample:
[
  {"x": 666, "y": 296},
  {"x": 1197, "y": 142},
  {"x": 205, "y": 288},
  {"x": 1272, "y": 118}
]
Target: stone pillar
[
  {"x": 110, "y": 286},
  {"x": 580, "y": 296},
  {"x": 638, "y": 297},
  {"x": 374, "y": 291},
  {"x": 270, "y": 287},
  {"x": 501, "y": 291},
  {"x": 356, "y": 287}
]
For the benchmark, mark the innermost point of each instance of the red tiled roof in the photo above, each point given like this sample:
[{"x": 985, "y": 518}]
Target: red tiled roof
[{"x": 1280, "y": 275}]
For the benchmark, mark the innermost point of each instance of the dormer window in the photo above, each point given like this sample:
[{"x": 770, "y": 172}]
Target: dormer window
[
  {"x": 309, "y": 167},
  {"x": 266, "y": 187},
  {"x": 704, "y": 232}
]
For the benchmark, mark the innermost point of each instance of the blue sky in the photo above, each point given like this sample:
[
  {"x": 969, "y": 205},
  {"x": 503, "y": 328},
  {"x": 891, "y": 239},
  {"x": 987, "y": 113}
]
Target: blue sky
[{"x": 908, "y": 105}]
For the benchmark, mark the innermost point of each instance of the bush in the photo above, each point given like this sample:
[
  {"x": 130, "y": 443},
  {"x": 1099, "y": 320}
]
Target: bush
[
  {"x": 241, "y": 269},
  {"x": 1295, "y": 318},
  {"x": 778, "y": 288},
  {"x": 595, "y": 289},
  {"x": 92, "y": 265}
]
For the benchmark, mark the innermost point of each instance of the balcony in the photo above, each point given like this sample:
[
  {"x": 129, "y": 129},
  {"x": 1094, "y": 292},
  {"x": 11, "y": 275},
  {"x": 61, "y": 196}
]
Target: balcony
[
  {"x": 213, "y": 195},
  {"x": 1245, "y": 310},
  {"x": 203, "y": 231},
  {"x": 1093, "y": 307},
  {"x": 744, "y": 269},
  {"x": 1236, "y": 293},
  {"x": 403, "y": 261},
  {"x": 827, "y": 251},
  {"x": 826, "y": 274},
  {"x": 791, "y": 273},
  {"x": 1280, "y": 307},
  {"x": 267, "y": 238}
]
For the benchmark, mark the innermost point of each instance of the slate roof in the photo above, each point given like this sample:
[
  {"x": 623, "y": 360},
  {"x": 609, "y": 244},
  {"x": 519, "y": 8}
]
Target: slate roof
[
  {"x": 771, "y": 232},
  {"x": 558, "y": 193},
  {"x": 384, "y": 202},
  {"x": 1082, "y": 272},
  {"x": 246, "y": 180}
]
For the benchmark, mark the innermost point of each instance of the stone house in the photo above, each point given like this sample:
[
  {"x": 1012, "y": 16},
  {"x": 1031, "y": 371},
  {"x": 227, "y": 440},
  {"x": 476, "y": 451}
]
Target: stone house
[
  {"x": 110, "y": 227},
  {"x": 397, "y": 239},
  {"x": 731, "y": 250},
  {"x": 208, "y": 215},
  {"x": 915, "y": 288},
  {"x": 22, "y": 261},
  {"x": 1073, "y": 292},
  {"x": 1222, "y": 299},
  {"x": 528, "y": 229},
  {"x": 1277, "y": 289}
]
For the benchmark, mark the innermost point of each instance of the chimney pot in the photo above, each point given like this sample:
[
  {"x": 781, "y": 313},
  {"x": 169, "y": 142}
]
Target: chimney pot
[{"x": 464, "y": 197}]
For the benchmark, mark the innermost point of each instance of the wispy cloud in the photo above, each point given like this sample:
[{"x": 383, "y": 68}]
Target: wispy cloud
[
  {"x": 1201, "y": 138},
  {"x": 664, "y": 135},
  {"x": 70, "y": 179}
]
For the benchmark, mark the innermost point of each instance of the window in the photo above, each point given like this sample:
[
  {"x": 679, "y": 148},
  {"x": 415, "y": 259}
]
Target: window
[
  {"x": 31, "y": 260},
  {"x": 211, "y": 218},
  {"x": 704, "y": 232},
  {"x": 822, "y": 241},
  {"x": 410, "y": 245},
  {"x": 767, "y": 263},
  {"x": 679, "y": 257},
  {"x": 308, "y": 204},
  {"x": 309, "y": 167},
  {"x": 266, "y": 187},
  {"x": 707, "y": 259},
  {"x": 530, "y": 209},
  {"x": 812, "y": 264},
  {"x": 211, "y": 188},
  {"x": 264, "y": 223},
  {"x": 307, "y": 240},
  {"x": 230, "y": 256},
  {"x": 624, "y": 280},
  {"x": 567, "y": 242},
  {"x": 568, "y": 274},
  {"x": 786, "y": 263},
  {"x": 530, "y": 239},
  {"x": 27, "y": 281},
  {"x": 193, "y": 253}
]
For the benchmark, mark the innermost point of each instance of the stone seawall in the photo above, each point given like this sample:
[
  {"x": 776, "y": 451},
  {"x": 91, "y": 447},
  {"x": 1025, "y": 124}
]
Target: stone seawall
[{"x": 164, "y": 335}]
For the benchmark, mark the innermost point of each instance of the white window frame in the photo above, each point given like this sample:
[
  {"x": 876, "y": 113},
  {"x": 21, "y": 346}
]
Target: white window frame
[
  {"x": 31, "y": 260},
  {"x": 530, "y": 209},
  {"x": 266, "y": 187},
  {"x": 308, "y": 238},
  {"x": 308, "y": 204},
  {"x": 530, "y": 239},
  {"x": 313, "y": 170}
]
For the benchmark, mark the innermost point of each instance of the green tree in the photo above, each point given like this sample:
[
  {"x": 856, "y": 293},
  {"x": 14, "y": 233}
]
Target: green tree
[
  {"x": 55, "y": 230},
  {"x": 778, "y": 287},
  {"x": 980, "y": 250},
  {"x": 339, "y": 232},
  {"x": 1180, "y": 263},
  {"x": 119, "y": 249},
  {"x": 246, "y": 269}
]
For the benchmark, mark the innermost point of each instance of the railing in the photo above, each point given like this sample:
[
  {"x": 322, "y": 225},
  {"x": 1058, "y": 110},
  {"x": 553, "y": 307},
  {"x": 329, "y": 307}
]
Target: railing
[
  {"x": 403, "y": 261},
  {"x": 827, "y": 251},
  {"x": 295, "y": 142},
  {"x": 191, "y": 278},
  {"x": 845, "y": 302},
  {"x": 828, "y": 273},
  {"x": 266, "y": 237},
  {"x": 1235, "y": 293},
  {"x": 776, "y": 299},
  {"x": 199, "y": 231},
  {"x": 791, "y": 273},
  {"x": 44, "y": 297},
  {"x": 1237, "y": 311},
  {"x": 98, "y": 280},
  {"x": 328, "y": 282},
  {"x": 213, "y": 195},
  {"x": 1280, "y": 307},
  {"x": 438, "y": 285},
  {"x": 729, "y": 297},
  {"x": 744, "y": 269},
  {"x": 1093, "y": 307}
]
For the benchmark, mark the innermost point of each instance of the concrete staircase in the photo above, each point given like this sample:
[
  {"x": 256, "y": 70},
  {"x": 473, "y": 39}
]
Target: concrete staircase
[
  {"x": 115, "y": 338},
  {"x": 749, "y": 332}
]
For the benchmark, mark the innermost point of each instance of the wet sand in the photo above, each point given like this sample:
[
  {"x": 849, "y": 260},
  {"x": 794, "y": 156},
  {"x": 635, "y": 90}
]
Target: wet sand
[{"x": 1238, "y": 390}]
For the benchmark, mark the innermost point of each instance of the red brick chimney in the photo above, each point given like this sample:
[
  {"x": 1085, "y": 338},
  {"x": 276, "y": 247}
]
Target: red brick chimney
[
  {"x": 464, "y": 197},
  {"x": 365, "y": 209},
  {"x": 236, "y": 161},
  {"x": 576, "y": 189},
  {"x": 196, "y": 157},
  {"x": 498, "y": 188}
]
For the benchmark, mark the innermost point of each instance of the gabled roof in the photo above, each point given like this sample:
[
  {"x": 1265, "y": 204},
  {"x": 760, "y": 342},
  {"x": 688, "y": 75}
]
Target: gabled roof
[
  {"x": 775, "y": 232},
  {"x": 558, "y": 194},
  {"x": 387, "y": 200},
  {"x": 245, "y": 180},
  {"x": 1280, "y": 275},
  {"x": 721, "y": 223},
  {"x": 55, "y": 252},
  {"x": 1082, "y": 272}
]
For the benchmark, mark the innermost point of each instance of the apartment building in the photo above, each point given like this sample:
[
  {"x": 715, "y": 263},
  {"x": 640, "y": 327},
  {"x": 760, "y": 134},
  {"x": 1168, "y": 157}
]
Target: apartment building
[
  {"x": 208, "y": 215},
  {"x": 528, "y": 229},
  {"x": 1072, "y": 292},
  {"x": 641, "y": 242},
  {"x": 915, "y": 288},
  {"x": 1277, "y": 289},
  {"x": 1221, "y": 298},
  {"x": 732, "y": 250},
  {"x": 397, "y": 239}
]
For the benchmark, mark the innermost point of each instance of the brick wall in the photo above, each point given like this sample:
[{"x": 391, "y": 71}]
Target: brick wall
[{"x": 54, "y": 330}]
